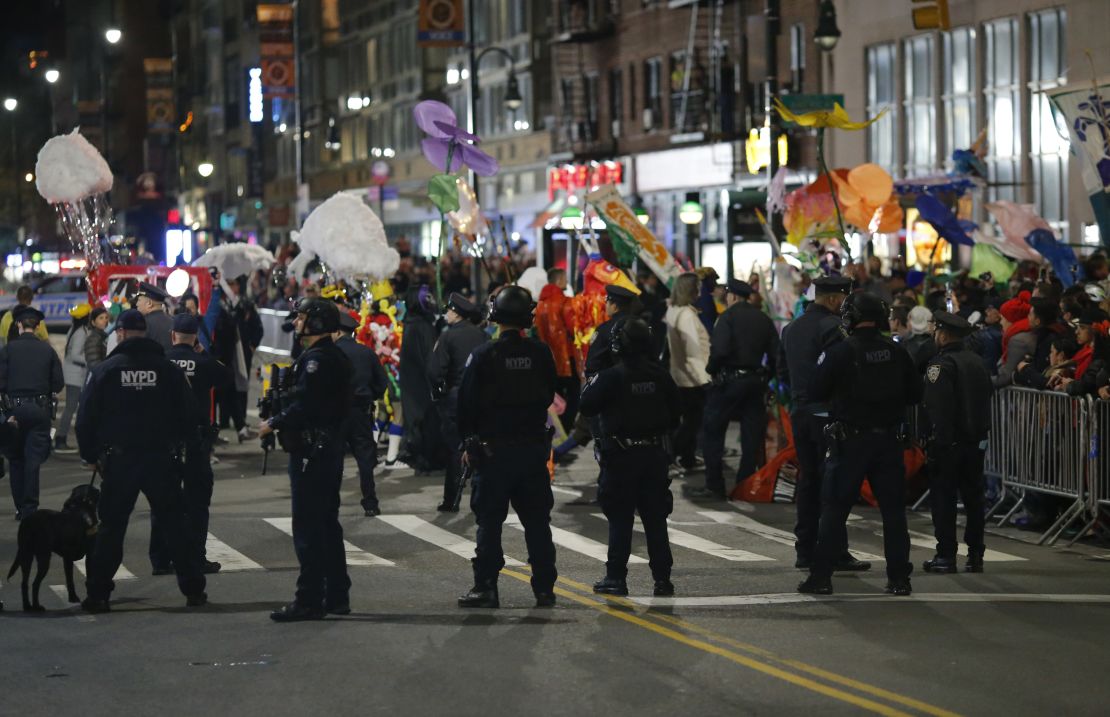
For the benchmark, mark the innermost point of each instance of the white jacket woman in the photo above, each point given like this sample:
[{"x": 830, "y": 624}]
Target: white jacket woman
[
  {"x": 73, "y": 371},
  {"x": 688, "y": 342}
]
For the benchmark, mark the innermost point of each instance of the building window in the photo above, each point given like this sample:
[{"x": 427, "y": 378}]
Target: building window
[
  {"x": 882, "y": 135},
  {"x": 961, "y": 124},
  {"x": 1048, "y": 149},
  {"x": 920, "y": 112},
  {"x": 1000, "y": 92},
  {"x": 616, "y": 102},
  {"x": 653, "y": 93},
  {"x": 591, "y": 84},
  {"x": 797, "y": 55}
]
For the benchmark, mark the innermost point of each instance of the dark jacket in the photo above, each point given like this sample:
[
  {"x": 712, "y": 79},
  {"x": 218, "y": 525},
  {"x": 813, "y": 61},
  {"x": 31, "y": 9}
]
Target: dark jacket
[
  {"x": 451, "y": 351},
  {"x": 634, "y": 399},
  {"x": 957, "y": 397},
  {"x": 136, "y": 399},
  {"x": 743, "y": 338},
  {"x": 803, "y": 341},
  {"x": 29, "y": 366},
  {"x": 921, "y": 348},
  {"x": 96, "y": 347},
  {"x": 205, "y": 374},
  {"x": 599, "y": 357},
  {"x": 506, "y": 389},
  {"x": 368, "y": 379},
  {"x": 868, "y": 380},
  {"x": 321, "y": 396}
]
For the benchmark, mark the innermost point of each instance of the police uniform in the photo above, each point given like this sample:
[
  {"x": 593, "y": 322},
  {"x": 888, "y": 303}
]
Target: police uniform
[
  {"x": 30, "y": 376},
  {"x": 957, "y": 399},
  {"x": 506, "y": 389},
  {"x": 638, "y": 406},
  {"x": 206, "y": 375},
  {"x": 445, "y": 370},
  {"x": 742, "y": 339},
  {"x": 135, "y": 410},
  {"x": 368, "y": 383},
  {"x": 158, "y": 322},
  {"x": 869, "y": 382},
  {"x": 803, "y": 340},
  {"x": 311, "y": 428},
  {"x": 600, "y": 357}
]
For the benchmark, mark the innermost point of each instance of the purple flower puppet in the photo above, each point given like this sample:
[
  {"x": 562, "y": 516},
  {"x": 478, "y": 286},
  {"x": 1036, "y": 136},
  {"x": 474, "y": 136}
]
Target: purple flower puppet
[{"x": 447, "y": 146}]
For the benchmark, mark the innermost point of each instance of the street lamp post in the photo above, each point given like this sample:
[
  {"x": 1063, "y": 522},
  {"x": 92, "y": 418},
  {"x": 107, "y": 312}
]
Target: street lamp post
[
  {"x": 513, "y": 101},
  {"x": 773, "y": 23},
  {"x": 10, "y": 105}
]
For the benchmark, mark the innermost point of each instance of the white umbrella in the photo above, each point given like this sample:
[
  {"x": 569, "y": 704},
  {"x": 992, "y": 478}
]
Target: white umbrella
[{"x": 236, "y": 259}]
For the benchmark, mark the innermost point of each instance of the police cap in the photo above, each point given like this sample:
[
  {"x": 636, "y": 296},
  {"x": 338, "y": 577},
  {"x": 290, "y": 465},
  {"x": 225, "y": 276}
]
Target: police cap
[
  {"x": 22, "y": 313},
  {"x": 131, "y": 320},
  {"x": 619, "y": 292},
  {"x": 151, "y": 292},
  {"x": 952, "y": 323},
  {"x": 185, "y": 323},
  {"x": 832, "y": 285},
  {"x": 740, "y": 288},
  {"x": 461, "y": 305}
]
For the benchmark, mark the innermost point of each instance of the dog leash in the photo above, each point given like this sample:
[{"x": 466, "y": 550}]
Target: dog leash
[{"x": 95, "y": 473}]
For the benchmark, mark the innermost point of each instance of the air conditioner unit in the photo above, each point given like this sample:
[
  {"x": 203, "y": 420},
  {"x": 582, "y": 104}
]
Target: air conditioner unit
[
  {"x": 649, "y": 118},
  {"x": 615, "y": 128}
]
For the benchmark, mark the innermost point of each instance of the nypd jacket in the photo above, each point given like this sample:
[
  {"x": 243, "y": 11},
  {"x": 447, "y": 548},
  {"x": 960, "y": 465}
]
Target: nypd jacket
[
  {"x": 135, "y": 400},
  {"x": 205, "y": 375},
  {"x": 368, "y": 378},
  {"x": 321, "y": 397},
  {"x": 634, "y": 399},
  {"x": 30, "y": 367},
  {"x": 506, "y": 388}
]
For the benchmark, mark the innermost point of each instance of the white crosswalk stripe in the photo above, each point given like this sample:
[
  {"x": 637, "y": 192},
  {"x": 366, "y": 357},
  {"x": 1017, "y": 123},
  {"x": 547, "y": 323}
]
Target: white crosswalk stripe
[
  {"x": 702, "y": 545},
  {"x": 928, "y": 542},
  {"x": 230, "y": 559},
  {"x": 767, "y": 532},
  {"x": 121, "y": 574},
  {"x": 356, "y": 556},
  {"x": 430, "y": 533},
  {"x": 576, "y": 543}
]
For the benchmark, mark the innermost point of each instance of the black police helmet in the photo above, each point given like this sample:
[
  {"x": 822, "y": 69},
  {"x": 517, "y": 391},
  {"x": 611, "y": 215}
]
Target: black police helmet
[
  {"x": 864, "y": 306},
  {"x": 511, "y": 305},
  {"x": 633, "y": 338},
  {"x": 321, "y": 316}
]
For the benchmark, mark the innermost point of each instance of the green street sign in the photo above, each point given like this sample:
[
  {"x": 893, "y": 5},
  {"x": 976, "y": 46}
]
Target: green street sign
[{"x": 799, "y": 104}]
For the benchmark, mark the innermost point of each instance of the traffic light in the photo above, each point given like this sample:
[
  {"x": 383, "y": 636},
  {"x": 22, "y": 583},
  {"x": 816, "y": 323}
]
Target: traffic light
[{"x": 932, "y": 15}]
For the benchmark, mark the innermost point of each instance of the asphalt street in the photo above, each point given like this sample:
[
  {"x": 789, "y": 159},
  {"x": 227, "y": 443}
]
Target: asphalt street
[{"x": 1027, "y": 637}]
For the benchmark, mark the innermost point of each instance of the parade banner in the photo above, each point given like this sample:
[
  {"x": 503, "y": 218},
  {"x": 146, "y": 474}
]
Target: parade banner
[
  {"x": 160, "y": 118},
  {"x": 276, "y": 52},
  {"x": 441, "y": 23},
  {"x": 624, "y": 227},
  {"x": 1085, "y": 108}
]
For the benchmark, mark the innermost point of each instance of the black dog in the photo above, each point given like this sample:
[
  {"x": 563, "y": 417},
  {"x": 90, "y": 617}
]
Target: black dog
[{"x": 69, "y": 533}]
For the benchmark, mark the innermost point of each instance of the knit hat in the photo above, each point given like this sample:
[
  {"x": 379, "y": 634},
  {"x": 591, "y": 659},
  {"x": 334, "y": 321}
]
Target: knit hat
[{"x": 1017, "y": 308}]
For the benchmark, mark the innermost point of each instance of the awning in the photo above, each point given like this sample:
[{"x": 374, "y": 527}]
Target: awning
[{"x": 555, "y": 209}]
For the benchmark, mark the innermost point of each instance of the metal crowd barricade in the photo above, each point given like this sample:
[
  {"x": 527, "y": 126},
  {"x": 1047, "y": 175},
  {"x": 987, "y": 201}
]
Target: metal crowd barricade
[
  {"x": 1098, "y": 496},
  {"x": 1041, "y": 442}
]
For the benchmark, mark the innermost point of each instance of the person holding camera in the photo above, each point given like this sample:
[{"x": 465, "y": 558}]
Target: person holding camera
[
  {"x": 445, "y": 369},
  {"x": 311, "y": 428}
]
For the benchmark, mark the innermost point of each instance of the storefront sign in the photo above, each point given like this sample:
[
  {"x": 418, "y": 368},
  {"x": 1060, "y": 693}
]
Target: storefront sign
[
  {"x": 441, "y": 23},
  {"x": 623, "y": 226},
  {"x": 572, "y": 177},
  {"x": 275, "y": 45}
]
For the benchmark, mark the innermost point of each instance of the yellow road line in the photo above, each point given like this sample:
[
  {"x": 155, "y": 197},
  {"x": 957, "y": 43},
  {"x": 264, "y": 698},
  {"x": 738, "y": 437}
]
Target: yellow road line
[{"x": 605, "y": 607}]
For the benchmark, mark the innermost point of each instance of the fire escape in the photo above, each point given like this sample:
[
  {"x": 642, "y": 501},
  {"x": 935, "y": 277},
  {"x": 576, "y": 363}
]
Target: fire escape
[{"x": 579, "y": 26}]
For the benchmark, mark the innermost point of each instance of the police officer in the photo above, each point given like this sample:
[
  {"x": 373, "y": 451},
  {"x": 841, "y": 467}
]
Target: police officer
[
  {"x": 445, "y": 370},
  {"x": 957, "y": 398},
  {"x": 506, "y": 388},
  {"x": 151, "y": 303},
  {"x": 869, "y": 381},
  {"x": 803, "y": 341},
  {"x": 743, "y": 339},
  {"x": 135, "y": 410},
  {"x": 311, "y": 428},
  {"x": 30, "y": 376},
  {"x": 206, "y": 375},
  {"x": 638, "y": 406},
  {"x": 368, "y": 383},
  {"x": 620, "y": 304}
]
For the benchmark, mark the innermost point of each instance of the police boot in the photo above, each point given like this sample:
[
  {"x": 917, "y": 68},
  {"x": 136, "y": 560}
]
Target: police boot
[
  {"x": 94, "y": 605},
  {"x": 899, "y": 586},
  {"x": 611, "y": 586},
  {"x": 848, "y": 563},
  {"x": 940, "y": 564},
  {"x": 545, "y": 599},
  {"x": 483, "y": 594},
  {"x": 816, "y": 585},
  {"x": 974, "y": 561},
  {"x": 295, "y": 612},
  {"x": 663, "y": 588}
]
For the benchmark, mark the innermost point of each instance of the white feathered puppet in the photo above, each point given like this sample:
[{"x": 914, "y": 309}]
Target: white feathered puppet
[{"x": 348, "y": 238}]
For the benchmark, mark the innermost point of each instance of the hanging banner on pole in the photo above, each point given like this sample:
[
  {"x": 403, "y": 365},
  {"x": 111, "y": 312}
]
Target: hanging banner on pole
[
  {"x": 160, "y": 117},
  {"x": 630, "y": 236},
  {"x": 275, "y": 48},
  {"x": 441, "y": 23},
  {"x": 1085, "y": 108}
]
